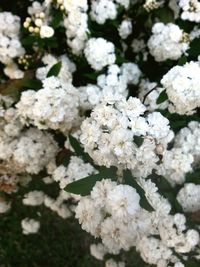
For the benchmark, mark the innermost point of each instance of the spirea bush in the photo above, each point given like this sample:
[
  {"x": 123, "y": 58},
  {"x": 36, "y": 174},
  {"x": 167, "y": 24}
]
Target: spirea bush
[{"x": 100, "y": 100}]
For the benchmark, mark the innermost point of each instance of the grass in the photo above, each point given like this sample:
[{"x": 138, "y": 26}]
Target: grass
[{"x": 59, "y": 243}]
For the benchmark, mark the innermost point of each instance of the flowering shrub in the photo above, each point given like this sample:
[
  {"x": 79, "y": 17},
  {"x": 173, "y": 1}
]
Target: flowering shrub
[{"x": 100, "y": 100}]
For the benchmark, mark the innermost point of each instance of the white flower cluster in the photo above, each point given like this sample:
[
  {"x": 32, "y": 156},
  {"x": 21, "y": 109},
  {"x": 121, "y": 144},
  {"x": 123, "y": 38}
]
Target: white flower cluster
[
  {"x": 113, "y": 213},
  {"x": 191, "y": 10},
  {"x": 152, "y": 4},
  {"x": 109, "y": 135},
  {"x": 55, "y": 106},
  {"x": 175, "y": 164},
  {"x": 30, "y": 226},
  {"x": 99, "y": 53},
  {"x": 10, "y": 45},
  {"x": 39, "y": 19},
  {"x": 30, "y": 151},
  {"x": 66, "y": 71},
  {"x": 182, "y": 87},
  {"x": 188, "y": 139},
  {"x": 22, "y": 150},
  {"x": 189, "y": 197},
  {"x": 108, "y": 214},
  {"x": 102, "y": 10},
  {"x": 76, "y": 24},
  {"x": 167, "y": 42},
  {"x": 116, "y": 81}
]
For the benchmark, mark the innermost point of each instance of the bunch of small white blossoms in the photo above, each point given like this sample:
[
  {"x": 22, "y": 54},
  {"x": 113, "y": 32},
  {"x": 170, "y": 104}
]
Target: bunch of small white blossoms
[
  {"x": 188, "y": 139},
  {"x": 58, "y": 205},
  {"x": 182, "y": 88},
  {"x": 167, "y": 42},
  {"x": 190, "y": 10},
  {"x": 76, "y": 24},
  {"x": 66, "y": 71},
  {"x": 119, "y": 134},
  {"x": 10, "y": 45},
  {"x": 99, "y": 53},
  {"x": 116, "y": 81},
  {"x": 113, "y": 213},
  {"x": 102, "y": 10},
  {"x": 39, "y": 19},
  {"x": 55, "y": 106}
]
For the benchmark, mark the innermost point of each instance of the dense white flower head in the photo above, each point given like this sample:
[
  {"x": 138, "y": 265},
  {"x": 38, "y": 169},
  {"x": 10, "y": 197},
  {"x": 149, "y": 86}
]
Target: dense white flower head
[
  {"x": 55, "y": 106},
  {"x": 99, "y": 53},
  {"x": 188, "y": 139},
  {"x": 175, "y": 164},
  {"x": 123, "y": 201},
  {"x": 108, "y": 135},
  {"x": 182, "y": 87},
  {"x": 167, "y": 42},
  {"x": 101, "y": 10},
  {"x": 114, "y": 82},
  {"x": 190, "y": 10},
  {"x": 30, "y": 226},
  {"x": 90, "y": 217},
  {"x": 76, "y": 24},
  {"x": 189, "y": 197},
  {"x": 33, "y": 150},
  {"x": 125, "y": 29},
  {"x": 10, "y": 46}
]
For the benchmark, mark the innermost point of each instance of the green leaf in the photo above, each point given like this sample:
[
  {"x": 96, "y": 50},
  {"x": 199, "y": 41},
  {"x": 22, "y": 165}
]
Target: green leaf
[
  {"x": 165, "y": 14},
  {"x": 78, "y": 149},
  {"x": 193, "y": 177},
  {"x": 58, "y": 17},
  {"x": 162, "y": 97},
  {"x": 32, "y": 84},
  {"x": 55, "y": 69},
  {"x": 92, "y": 76},
  {"x": 182, "y": 60},
  {"x": 130, "y": 180},
  {"x": 194, "y": 48},
  {"x": 138, "y": 140},
  {"x": 84, "y": 186}
]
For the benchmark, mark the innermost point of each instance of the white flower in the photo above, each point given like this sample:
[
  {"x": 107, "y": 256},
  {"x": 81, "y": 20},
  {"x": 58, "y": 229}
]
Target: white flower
[
  {"x": 98, "y": 251},
  {"x": 123, "y": 201},
  {"x": 89, "y": 216},
  {"x": 189, "y": 197},
  {"x": 30, "y": 226},
  {"x": 33, "y": 198},
  {"x": 46, "y": 31},
  {"x": 125, "y": 29},
  {"x": 99, "y": 53},
  {"x": 167, "y": 42},
  {"x": 101, "y": 190},
  {"x": 182, "y": 87}
]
